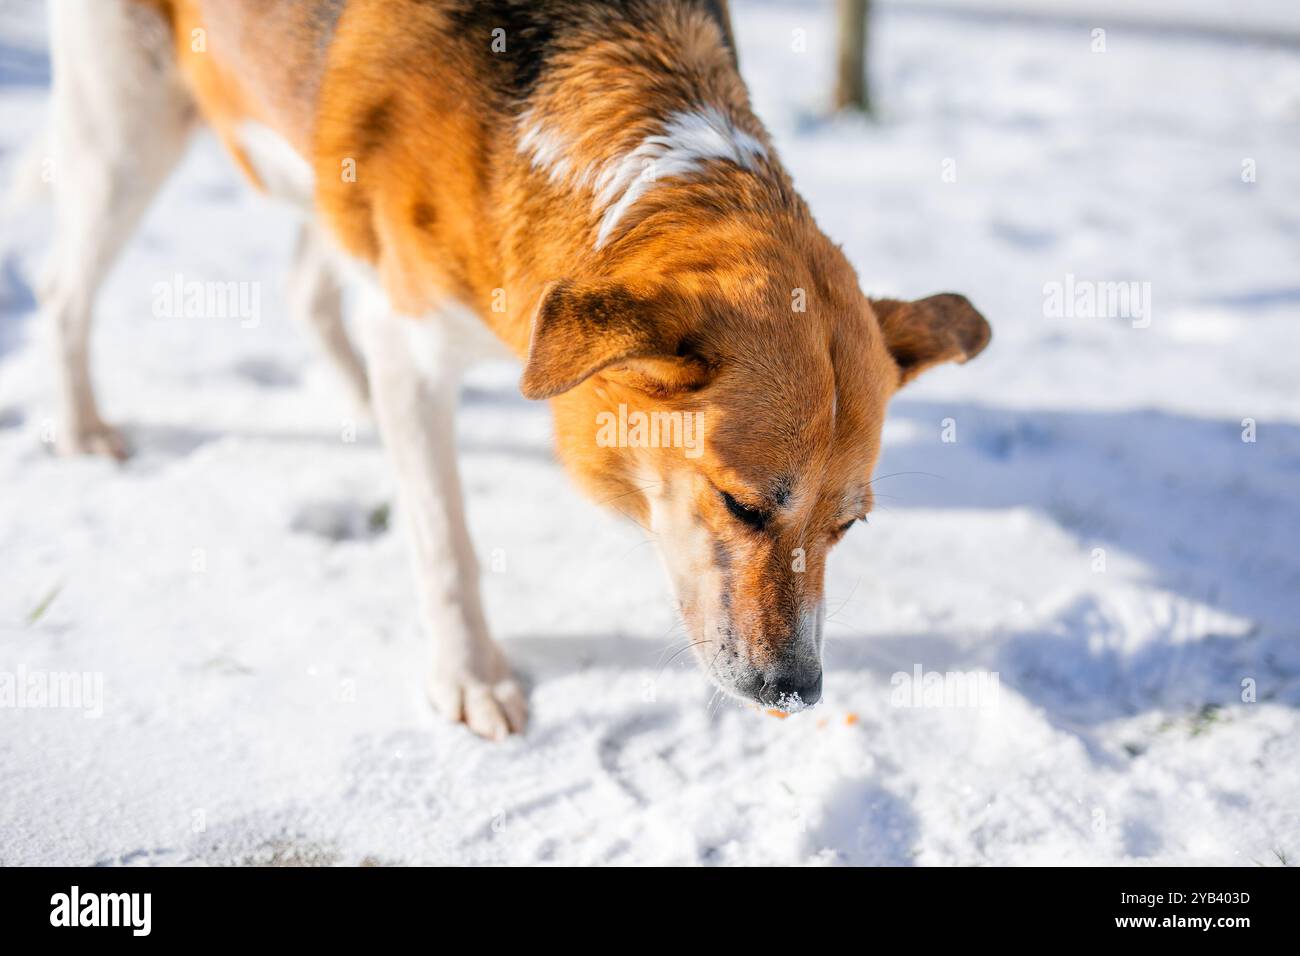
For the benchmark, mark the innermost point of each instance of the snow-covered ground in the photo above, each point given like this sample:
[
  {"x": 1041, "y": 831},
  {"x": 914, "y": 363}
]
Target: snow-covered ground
[{"x": 1098, "y": 536}]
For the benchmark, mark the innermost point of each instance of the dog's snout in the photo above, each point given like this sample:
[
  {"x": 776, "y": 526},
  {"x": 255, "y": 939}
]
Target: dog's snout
[
  {"x": 791, "y": 688},
  {"x": 777, "y": 666}
]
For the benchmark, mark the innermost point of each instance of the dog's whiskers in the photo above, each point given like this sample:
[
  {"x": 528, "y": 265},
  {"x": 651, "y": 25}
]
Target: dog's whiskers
[
  {"x": 678, "y": 653},
  {"x": 840, "y": 606},
  {"x": 708, "y": 709},
  {"x": 899, "y": 474},
  {"x": 653, "y": 484}
]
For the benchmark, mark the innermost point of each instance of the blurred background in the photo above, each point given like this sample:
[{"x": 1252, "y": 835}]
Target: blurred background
[{"x": 1101, "y": 511}]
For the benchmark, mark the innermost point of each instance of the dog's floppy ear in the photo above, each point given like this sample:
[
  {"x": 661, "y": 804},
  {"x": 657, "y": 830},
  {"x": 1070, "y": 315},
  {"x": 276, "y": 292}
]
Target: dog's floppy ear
[
  {"x": 940, "y": 328},
  {"x": 582, "y": 328}
]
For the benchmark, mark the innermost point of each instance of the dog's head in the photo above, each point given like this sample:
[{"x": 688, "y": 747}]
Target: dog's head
[{"x": 741, "y": 427}]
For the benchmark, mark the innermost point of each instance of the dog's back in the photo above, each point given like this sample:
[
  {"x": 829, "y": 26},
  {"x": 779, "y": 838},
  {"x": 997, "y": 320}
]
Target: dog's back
[{"x": 409, "y": 114}]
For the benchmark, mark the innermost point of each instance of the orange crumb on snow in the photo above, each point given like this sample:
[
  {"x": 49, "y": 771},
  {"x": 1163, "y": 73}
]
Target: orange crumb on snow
[{"x": 849, "y": 719}]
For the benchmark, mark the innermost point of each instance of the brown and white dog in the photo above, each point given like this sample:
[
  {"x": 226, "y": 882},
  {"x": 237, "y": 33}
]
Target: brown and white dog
[{"x": 578, "y": 183}]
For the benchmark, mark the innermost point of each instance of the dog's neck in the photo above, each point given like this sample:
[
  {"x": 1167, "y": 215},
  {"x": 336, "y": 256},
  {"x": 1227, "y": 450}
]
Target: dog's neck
[{"x": 641, "y": 157}]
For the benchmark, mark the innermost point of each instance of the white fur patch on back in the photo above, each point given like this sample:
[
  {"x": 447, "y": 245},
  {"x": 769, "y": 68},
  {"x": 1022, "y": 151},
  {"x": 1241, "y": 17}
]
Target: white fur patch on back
[
  {"x": 546, "y": 147},
  {"x": 691, "y": 139}
]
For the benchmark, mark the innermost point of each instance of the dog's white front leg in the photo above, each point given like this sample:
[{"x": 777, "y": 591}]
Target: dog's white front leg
[{"x": 415, "y": 380}]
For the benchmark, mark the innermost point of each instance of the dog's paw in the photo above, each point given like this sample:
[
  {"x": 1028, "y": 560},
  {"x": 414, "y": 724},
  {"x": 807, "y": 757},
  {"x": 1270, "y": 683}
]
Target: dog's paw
[
  {"x": 492, "y": 710},
  {"x": 96, "y": 438}
]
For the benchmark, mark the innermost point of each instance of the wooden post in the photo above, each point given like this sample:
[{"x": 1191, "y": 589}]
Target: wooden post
[{"x": 851, "y": 91}]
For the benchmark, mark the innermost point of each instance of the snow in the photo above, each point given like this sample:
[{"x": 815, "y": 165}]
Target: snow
[
  {"x": 1275, "y": 19},
  {"x": 1098, "y": 541}
]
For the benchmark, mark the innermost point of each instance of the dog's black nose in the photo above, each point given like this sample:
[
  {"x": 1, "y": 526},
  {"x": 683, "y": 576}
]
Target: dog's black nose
[{"x": 788, "y": 689}]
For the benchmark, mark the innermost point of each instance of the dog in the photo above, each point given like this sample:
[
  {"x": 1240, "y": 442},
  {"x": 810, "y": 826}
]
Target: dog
[{"x": 581, "y": 185}]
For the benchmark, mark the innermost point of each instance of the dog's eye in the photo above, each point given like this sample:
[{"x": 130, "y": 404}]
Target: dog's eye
[
  {"x": 849, "y": 524},
  {"x": 750, "y": 516}
]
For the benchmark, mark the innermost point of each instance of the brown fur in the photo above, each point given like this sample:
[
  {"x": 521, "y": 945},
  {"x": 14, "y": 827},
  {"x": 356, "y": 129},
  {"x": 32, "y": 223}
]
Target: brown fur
[{"x": 688, "y": 308}]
